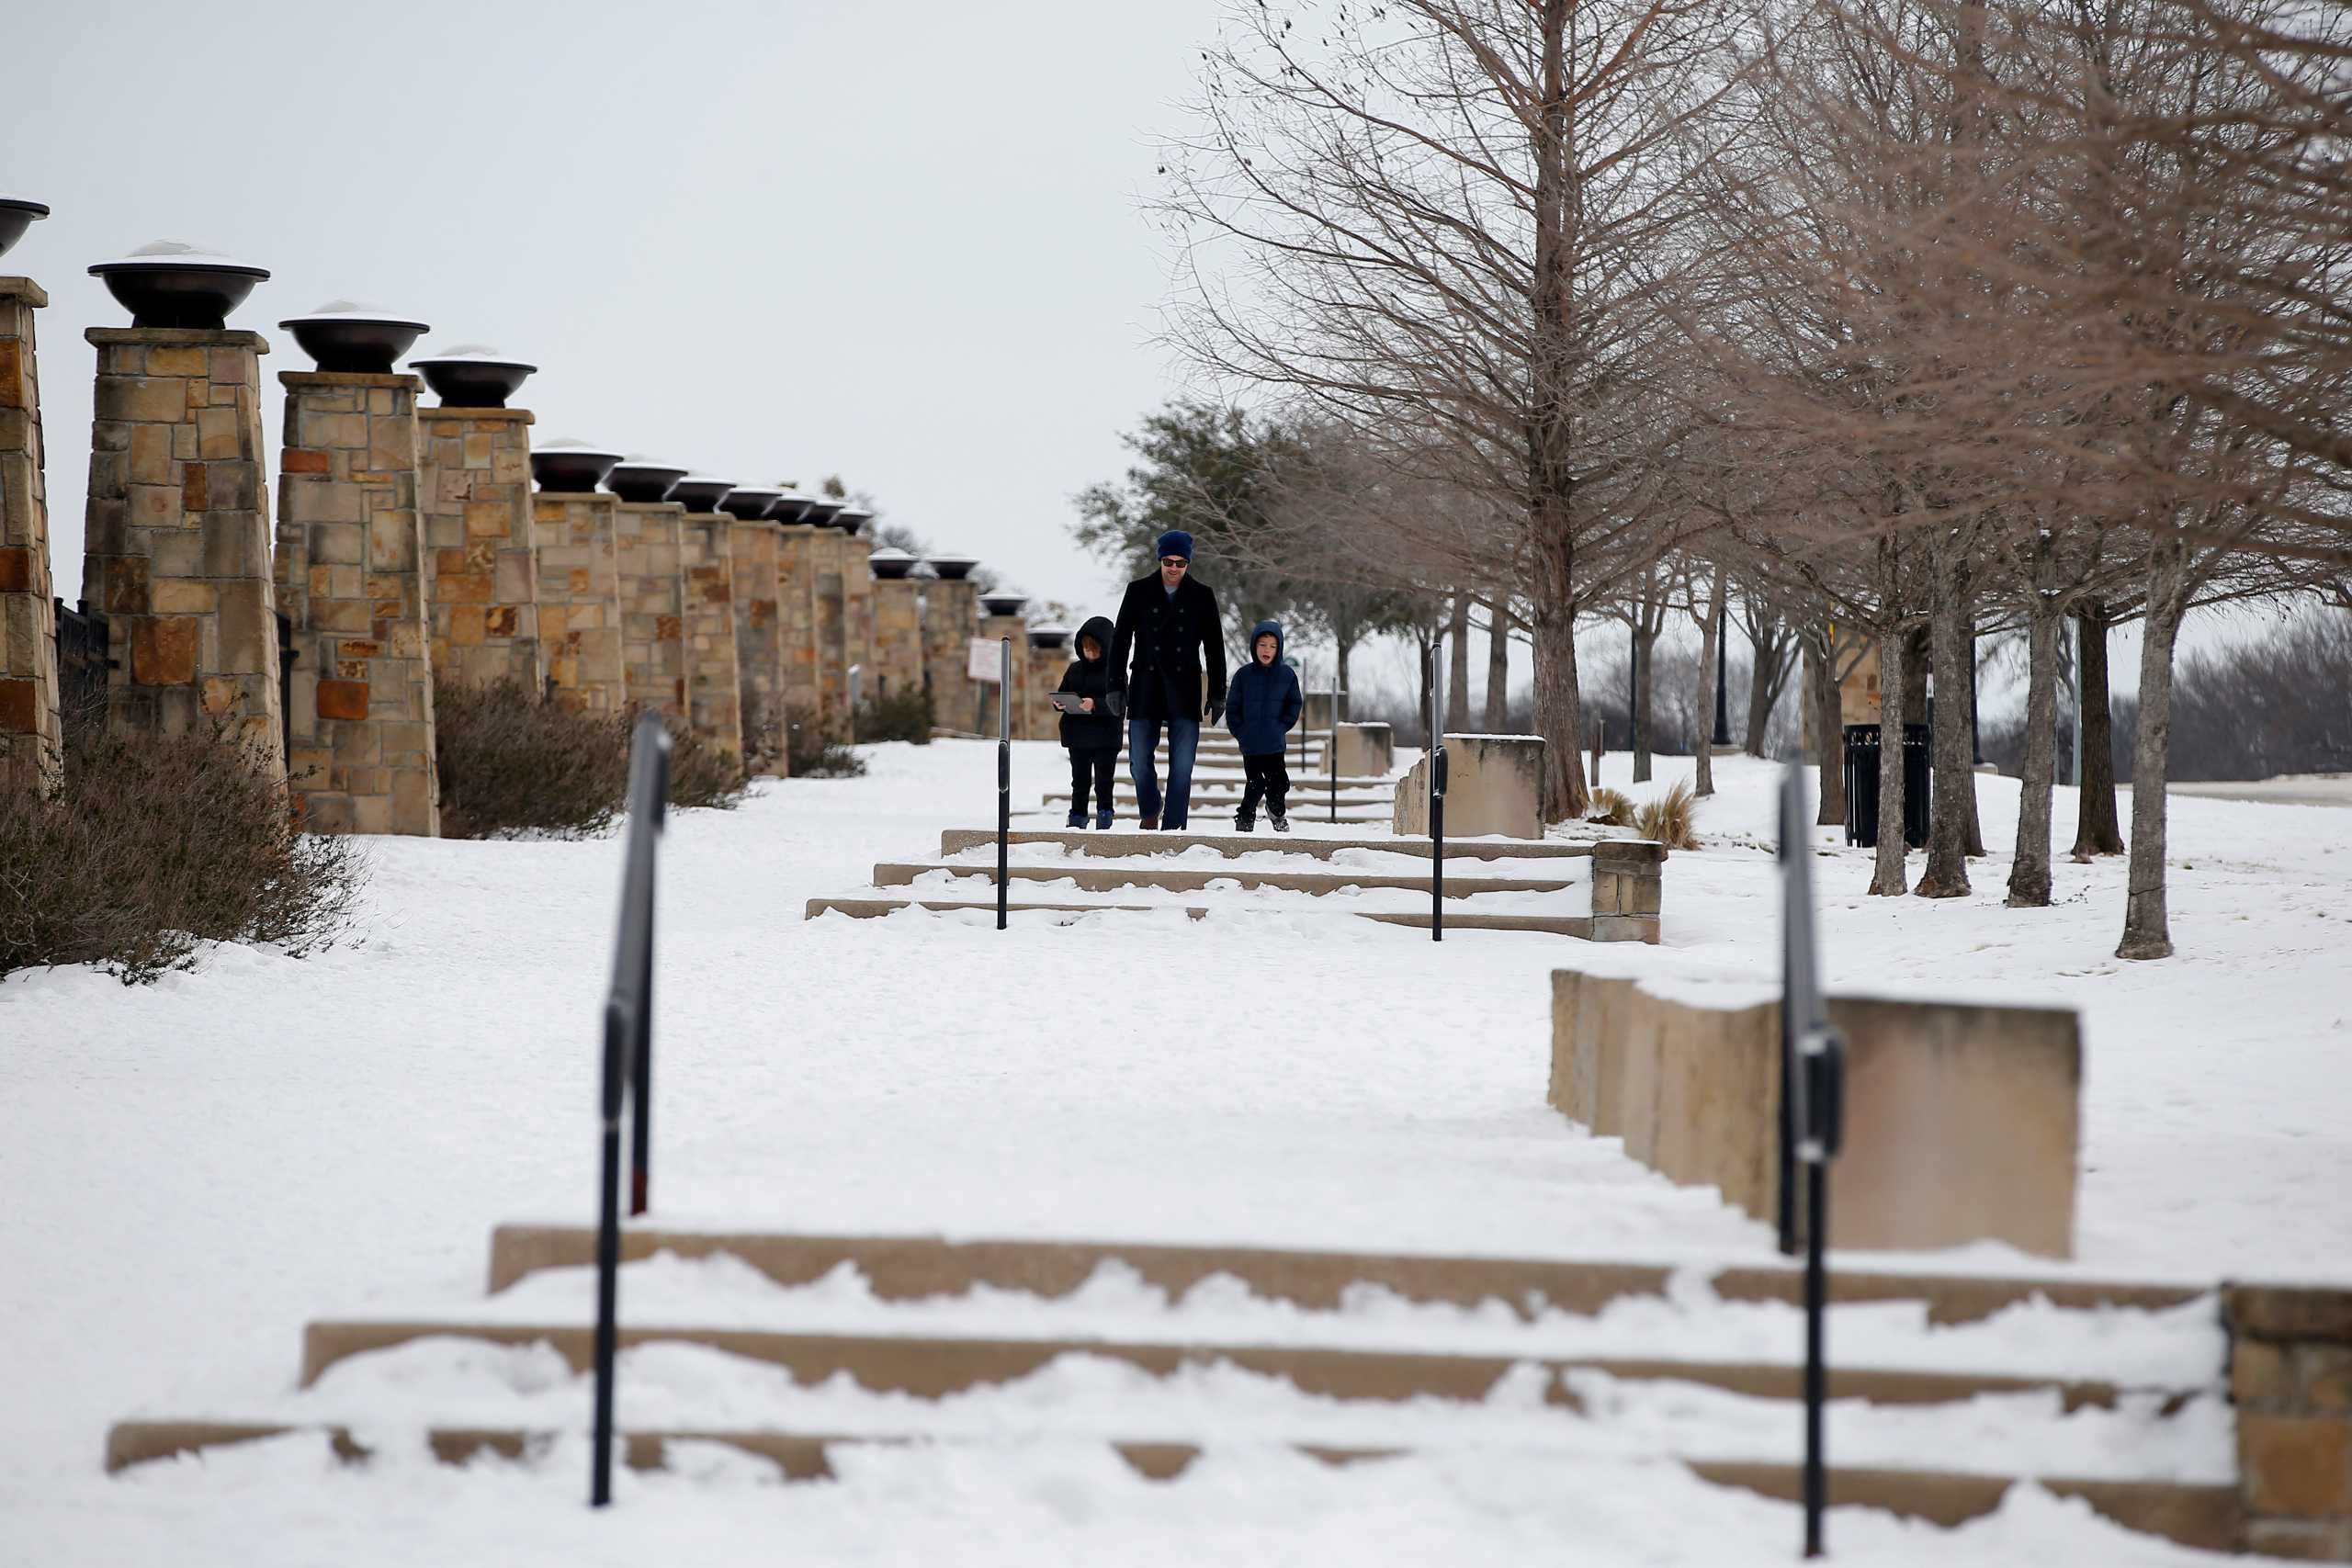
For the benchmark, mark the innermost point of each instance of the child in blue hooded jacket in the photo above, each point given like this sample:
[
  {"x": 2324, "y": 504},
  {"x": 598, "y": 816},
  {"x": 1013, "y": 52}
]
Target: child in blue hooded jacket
[{"x": 1262, "y": 703}]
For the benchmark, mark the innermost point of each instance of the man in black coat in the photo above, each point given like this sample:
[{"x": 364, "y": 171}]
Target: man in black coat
[{"x": 1168, "y": 623}]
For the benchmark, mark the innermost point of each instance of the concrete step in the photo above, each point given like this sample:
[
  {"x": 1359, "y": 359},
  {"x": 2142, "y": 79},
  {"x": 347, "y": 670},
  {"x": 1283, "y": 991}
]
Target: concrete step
[
  {"x": 935, "y": 1366},
  {"x": 1583, "y": 927},
  {"x": 909, "y": 1268},
  {"x": 956, "y": 841},
  {"x": 2194, "y": 1515},
  {"x": 1185, "y": 879},
  {"x": 1229, "y": 796}
]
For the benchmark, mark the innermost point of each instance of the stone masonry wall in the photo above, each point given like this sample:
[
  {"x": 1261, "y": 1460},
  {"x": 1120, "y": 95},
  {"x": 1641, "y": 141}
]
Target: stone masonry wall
[
  {"x": 798, "y": 547},
  {"x": 349, "y": 574},
  {"x": 759, "y": 644},
  {"x": 833, "y": 658},
  {"x": 949, "y": 609},
  {"x": 714, "y": 690},
  {"x": 580, "y": 599},
  {"x": 31, "y": 736},
  {"x": 898, "y": 666},
  {"x": 474, "y": 491},
  {"x": 2290, "y": 1378},
  {"x": 855, "y": 553},
  {"x": 175, "y": 548},
  {"x": 1043, "y": 720},
  {"x": 653, "y": 636}
]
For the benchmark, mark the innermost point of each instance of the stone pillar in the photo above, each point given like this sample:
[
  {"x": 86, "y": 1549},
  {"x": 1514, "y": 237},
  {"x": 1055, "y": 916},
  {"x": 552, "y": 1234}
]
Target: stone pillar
[
  {"x": 852, "y": 552},
  {"x": 950, "y": 621},
  {"x": 474, "y": 490},
  {"x": 759, "y": 645},
  {"x": 175, "y": 547},
  {"x": 993, "y": 627},
  {"x": 31, "y": 737},
  {"x": 897, "y": 665},
  {"x": 714, "y": 689},
  {"x": 1048, "y": 654},
  {"x": 580, "y": 599},
  {"x": 834, "y": 654},
  {"x": 349, "y": 574},
  {"x": 653, "y": 639},
  {"x": 800, "y": 555}
]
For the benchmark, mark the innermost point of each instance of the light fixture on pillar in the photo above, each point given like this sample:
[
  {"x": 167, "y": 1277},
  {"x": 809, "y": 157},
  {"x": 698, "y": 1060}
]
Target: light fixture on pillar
[
  {"x": 569, "y": 466},
  {"x": 18, "y": 214},
  {"x": 353, "y": 338},
  {"x": 1004, "y": 604},
  {"x": 170, "y": 283},
  {"x": 701, "y": 493},
  {"x": 890, "y": 565},
  {"x": 951, "y": 569},
  {"x": 1045, "y": 640},
  {"x": 823, "y": 510},
  {"x": 638, "y": 478},
  {"x": 472, "y": 376},
  {"x": 791, "y": 506},
  {"x": 750, "y": 502},
  {"x": 852, "y": 518}
]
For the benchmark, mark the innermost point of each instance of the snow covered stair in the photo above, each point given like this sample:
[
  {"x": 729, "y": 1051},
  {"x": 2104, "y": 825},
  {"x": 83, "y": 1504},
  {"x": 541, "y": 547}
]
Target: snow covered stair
[
  {"x": 792, "y": 1346},
  {"x": 1602, "y": 890}
]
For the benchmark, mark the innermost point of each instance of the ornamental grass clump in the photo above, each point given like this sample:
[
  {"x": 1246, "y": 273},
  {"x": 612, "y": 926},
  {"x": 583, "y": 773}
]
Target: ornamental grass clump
[
  {"x": 1666, "y": 820},
  {"x": 1610, "y": 807}
]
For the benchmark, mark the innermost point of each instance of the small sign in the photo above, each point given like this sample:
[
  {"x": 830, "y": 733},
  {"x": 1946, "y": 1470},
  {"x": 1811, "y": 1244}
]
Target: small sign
[{"x": 985, "y": 663}]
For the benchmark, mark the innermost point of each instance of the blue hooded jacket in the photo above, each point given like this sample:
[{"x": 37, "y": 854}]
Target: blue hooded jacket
[{"x": 1263, "y": 701}]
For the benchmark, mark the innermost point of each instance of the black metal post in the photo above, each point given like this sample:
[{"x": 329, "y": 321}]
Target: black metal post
[
  {"x": 1976, "y": 739},
  {"x": 1817, "y": 1222},
  {"x": 1331, "y": 752},
  {"x": 1437, "y": 792},
  {"x": 628, "y": 1040},
  {"x": 1003, "y": 780}
]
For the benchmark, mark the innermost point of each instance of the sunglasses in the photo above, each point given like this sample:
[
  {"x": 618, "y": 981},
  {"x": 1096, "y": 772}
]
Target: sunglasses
[{"x": 1179, "y": 562}]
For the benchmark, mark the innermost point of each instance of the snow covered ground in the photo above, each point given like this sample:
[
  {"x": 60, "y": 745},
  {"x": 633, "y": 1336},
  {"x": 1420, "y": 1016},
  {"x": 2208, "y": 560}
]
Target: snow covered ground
[{"x": 197, "y": 1169}]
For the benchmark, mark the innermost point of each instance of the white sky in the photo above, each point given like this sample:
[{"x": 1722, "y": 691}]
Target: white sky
[{"x": 900, "y": 242}]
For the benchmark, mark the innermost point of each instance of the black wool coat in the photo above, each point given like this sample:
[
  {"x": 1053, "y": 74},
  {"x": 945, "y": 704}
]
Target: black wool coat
[
  {"x": 1096, "y": 731},
  {"x": 1162, "y": 644}
]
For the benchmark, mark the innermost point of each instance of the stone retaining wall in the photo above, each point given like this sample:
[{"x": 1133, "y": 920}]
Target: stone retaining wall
[
  {"x": 714, "y": 689},
  {"x": 1362, "y": 751},
  {"x": 898, "y": 667},
  {"x": 1960, "y": 1121},
  {"x": 760, "y": 655},
  {"x": 1494, "y": 785},
  {"x": 647, "y": 553},
  {"x": 2290, "y": 1378},
  {"x": 950, "y": 621},
  {"x": 30, "y": 736}
]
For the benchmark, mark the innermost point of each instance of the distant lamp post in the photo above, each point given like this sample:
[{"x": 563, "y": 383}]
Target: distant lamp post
[{"x": 1722, "y": 715}]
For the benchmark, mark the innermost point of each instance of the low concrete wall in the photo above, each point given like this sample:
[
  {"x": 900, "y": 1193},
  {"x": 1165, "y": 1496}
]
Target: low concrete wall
[
  {"x": 1362, "y": 751},
  {"x": 1494, "y": 785},
  {"x": 2290, "y": 1379},
  {"x": 1960, "y": 1121}
]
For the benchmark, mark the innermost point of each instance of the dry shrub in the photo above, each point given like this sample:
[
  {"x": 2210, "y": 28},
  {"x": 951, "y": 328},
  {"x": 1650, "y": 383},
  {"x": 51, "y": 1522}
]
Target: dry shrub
[
  {"x": 1610, "y": 807},
  {"x": 813, "y": 752},
  {"x": 1666, "y": 820},
  {"x": 700, "y": 773},
  {"x": 760, "y": 727},
  {"x": 906, "y": 716},
  {"x": 512, "y": 762},
  {"x": 149, "y": 845}
]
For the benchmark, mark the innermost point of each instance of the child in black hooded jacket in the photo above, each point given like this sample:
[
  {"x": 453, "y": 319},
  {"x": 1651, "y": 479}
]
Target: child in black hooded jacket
[{"x": 1091, "y": 736}]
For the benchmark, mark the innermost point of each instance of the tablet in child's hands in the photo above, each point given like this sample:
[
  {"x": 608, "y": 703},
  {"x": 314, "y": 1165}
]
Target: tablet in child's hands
[{"x": 1067, "y": 701}]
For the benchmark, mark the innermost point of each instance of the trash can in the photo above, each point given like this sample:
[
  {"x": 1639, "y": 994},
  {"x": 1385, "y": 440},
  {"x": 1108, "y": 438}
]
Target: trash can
[{"x": 1861, "y": 785}]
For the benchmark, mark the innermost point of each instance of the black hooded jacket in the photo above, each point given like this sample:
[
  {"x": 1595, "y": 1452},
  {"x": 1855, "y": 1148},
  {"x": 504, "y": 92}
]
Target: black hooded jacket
[
  {"x": 1169, "y": 637},
  {"x": 1096, "y": 731}
]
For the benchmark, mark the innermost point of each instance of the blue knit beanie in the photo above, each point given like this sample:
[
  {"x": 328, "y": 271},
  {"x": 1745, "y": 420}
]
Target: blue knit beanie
[{"x": 1176, "y": 542}]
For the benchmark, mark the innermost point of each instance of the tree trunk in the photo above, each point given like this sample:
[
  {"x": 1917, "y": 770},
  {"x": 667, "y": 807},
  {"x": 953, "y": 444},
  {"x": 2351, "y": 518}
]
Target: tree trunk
[
  {"x": 1643, "y": 645},
  {"x": 1828, "y": 725},
  {"x": 2147, "y": 930},
  {"x": 1949, "y": 619},
  {"x": 1557, "y": 711},
  {"x": 1457, "y": 663},
  {"x": 1889, "y": 875},
  {"x": 1343, "y": 645},
  {"x": 1710, "y": 639},
  {"x": 1498, "y": 720},
  {"x": 2097, "y": 830},
  {"x": 2030, "y": 873},
  {"x": 1972, "y": 827},
  {"x": 1759, "y": 689}
]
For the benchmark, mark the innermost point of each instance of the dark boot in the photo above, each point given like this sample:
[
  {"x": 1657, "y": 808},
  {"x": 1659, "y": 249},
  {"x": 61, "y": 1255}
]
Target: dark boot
[
  {"x": 1149, "y": 824},
  {"x": 1244, "y": 823},
  {"x": 1078, "y": 818},
  {"x": 1282, "y": 823},
  {"x": 1102, "y": 821}
]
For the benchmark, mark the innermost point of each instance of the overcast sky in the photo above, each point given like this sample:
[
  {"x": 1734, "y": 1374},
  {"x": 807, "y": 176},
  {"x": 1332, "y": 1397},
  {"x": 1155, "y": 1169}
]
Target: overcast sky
[{"x": 896, "y": 242}]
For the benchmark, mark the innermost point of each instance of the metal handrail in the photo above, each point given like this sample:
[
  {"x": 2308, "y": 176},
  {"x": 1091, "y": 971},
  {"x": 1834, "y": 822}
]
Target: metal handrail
[
  {"x": 1003, "y": 779},
  {"x": 1437, "y": 791},
  {"x": 628, "y": 1063}
]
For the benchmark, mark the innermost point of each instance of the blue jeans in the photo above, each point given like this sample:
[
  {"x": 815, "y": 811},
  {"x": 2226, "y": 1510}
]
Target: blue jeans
[{"x": 1184, "y": 740}]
